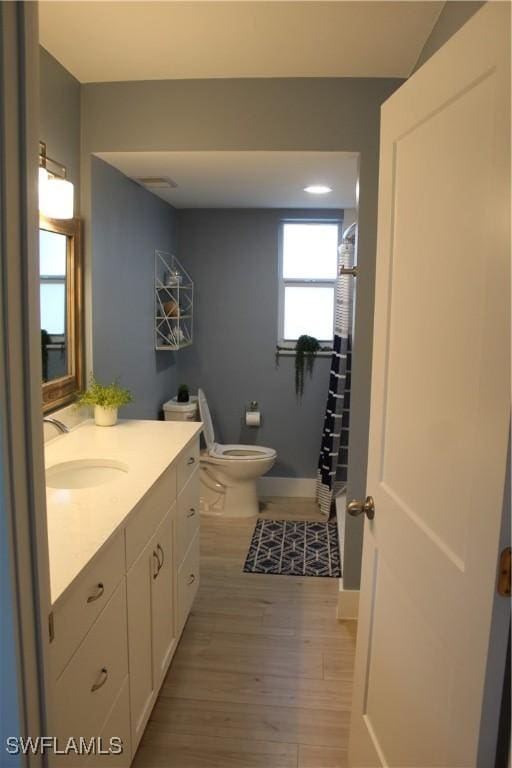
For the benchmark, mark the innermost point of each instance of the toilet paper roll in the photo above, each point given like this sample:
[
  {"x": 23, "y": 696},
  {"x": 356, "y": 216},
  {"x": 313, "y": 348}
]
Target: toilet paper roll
[{"x": 253, "y": 418}]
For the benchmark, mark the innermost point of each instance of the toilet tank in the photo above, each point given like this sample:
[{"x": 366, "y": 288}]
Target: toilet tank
[{"x": 174, "y": 411}]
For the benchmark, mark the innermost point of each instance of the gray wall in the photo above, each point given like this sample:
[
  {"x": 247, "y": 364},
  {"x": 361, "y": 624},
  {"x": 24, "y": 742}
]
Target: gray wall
[
  {"x": 331, "y": 114},
  {"x": 232, "y": 256},
  {"x": 59, "y": 118},
  {"x": 453, "y": 16},
  {"x": 128, "y": 224}
]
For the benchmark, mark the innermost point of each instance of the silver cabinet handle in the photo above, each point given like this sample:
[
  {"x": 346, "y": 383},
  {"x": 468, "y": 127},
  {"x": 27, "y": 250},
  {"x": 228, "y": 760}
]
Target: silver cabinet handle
[
  {"x": 191, "y": 460},
  {"x": 102, "y": 679},
  {"x": 191, "y": 579},
  {"x": 100, "y": 590},
  {"x": 160, "y": 562},
  {"x": 155, "y": 557},
  {"x": 191, "y": 512}
]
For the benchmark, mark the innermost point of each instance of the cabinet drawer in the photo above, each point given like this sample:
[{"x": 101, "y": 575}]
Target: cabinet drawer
[
  {"x": 87, "y": 689},
  {"x": 187, "y": 516},
  {"x": 149, "y": 514},
  {"x": 86, "y": 598},
  {"x": 188, "y": 581},
  {"x": 187, "y": 463},
  {"x": 117, "y": 727}
]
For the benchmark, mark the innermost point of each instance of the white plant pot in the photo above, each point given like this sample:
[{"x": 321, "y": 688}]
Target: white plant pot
[{"x": 105, "y": 417}]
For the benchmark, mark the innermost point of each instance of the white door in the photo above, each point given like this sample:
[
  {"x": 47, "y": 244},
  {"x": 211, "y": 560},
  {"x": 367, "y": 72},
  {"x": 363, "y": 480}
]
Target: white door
[{"x": 440, "y": 406}]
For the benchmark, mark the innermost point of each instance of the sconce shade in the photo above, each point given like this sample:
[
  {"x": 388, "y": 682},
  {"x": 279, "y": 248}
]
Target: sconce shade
[{"x": 55, "y": 196}]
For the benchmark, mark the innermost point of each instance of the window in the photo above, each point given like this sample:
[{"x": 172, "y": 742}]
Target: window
[{"x": 307, "y": 280}]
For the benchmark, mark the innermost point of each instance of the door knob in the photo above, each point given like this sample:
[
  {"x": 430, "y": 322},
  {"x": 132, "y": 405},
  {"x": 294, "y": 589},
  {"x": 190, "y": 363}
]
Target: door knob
[{"x": 357, "y": 507}]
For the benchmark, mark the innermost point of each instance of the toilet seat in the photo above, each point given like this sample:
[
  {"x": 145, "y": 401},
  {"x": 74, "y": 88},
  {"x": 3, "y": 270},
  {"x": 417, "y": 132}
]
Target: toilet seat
[
  {"x": 241, "y": 452},
  {"x": 228, "y": 452}
]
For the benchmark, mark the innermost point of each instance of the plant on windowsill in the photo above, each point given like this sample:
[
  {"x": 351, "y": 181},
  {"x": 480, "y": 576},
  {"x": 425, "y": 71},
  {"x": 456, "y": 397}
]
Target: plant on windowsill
[
  {"x": 305, "y": 353},
  {"x": 106, "y": 399}
]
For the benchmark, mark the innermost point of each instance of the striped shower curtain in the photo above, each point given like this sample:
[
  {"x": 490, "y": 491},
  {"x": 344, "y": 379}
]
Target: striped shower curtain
[{"x": 333, "y": 462}]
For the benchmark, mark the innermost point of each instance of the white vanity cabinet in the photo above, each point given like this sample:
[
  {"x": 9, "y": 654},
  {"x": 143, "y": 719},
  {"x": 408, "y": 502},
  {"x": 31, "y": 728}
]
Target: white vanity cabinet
[{"x": 115, "y": 629}]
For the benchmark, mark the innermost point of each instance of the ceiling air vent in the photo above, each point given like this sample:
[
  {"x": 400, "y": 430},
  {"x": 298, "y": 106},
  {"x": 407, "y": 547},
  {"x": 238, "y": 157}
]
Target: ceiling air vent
[{"x": 157, "y": 182}]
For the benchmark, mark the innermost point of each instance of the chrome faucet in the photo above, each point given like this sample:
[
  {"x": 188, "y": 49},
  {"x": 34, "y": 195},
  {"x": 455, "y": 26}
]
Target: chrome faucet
[{"x": 56, "y": 423}]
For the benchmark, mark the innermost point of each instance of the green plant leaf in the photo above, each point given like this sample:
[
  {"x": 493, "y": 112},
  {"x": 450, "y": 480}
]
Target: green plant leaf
[
  {"x": 305, "y": 354},
  {"x": 106, "y": 395}
]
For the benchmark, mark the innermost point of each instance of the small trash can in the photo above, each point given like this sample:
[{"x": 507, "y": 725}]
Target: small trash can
[{"x": 174, "y": 411}]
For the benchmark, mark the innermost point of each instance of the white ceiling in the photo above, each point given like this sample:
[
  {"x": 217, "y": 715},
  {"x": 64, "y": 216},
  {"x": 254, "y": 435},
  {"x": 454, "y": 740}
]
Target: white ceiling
[
  {"x": 245, "y": 179},
  {"x": 181, "y": 39}
]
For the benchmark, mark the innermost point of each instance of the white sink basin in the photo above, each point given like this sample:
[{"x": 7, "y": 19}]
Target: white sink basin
[{"x": 84, "y": 473}]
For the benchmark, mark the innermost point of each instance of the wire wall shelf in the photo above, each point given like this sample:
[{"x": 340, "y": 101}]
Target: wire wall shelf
[{"x": 174, "y": 304}]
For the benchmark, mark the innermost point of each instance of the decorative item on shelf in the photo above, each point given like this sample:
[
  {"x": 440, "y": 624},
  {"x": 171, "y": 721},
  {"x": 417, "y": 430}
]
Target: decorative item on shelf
[
  {"x": 106, "y": 399},
  {"x": 183, "y": 393},
  {"x": 171, "y": 308},
  {"x": 305, "y": 353},
  {"x": 173, "y": 277}
]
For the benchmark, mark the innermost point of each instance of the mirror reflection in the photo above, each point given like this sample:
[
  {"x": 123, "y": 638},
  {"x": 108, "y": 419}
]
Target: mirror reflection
[{"x": 53, "y": 253}]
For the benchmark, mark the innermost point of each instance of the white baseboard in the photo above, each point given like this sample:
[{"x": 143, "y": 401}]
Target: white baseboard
[
  {"x": 348, "y": 604},
  {"x": 297, "y": 487},
  {"x": 348, "y": 599}
]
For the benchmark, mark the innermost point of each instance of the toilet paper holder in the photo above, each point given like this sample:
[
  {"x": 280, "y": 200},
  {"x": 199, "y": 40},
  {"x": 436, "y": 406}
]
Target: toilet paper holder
[{"x": 252, "y": 414}]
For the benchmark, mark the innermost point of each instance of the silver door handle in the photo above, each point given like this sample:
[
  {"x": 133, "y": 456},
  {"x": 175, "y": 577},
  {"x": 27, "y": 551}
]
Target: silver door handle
[
  {"x": 160, "y": 562},
  {"x": 191, "y": 460},
  {"x": 358, "y": 507},
  {"x": 191, "y": 579},
  {"x": 191, "y": 512}
]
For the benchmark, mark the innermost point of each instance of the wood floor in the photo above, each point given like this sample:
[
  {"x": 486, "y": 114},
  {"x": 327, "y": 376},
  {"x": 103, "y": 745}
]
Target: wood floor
[{"x": 262, "y": 677}]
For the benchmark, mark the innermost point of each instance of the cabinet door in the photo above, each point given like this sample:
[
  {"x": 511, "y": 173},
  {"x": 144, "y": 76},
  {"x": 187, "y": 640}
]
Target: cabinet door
[
  {"x": 163, "y": 619},
  {"x": 188, "y": 582},
  {"x": 140, "y": 579}
]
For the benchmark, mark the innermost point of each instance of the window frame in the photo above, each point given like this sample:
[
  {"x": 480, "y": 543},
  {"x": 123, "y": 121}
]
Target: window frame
[{"x": 283, "y": 282}]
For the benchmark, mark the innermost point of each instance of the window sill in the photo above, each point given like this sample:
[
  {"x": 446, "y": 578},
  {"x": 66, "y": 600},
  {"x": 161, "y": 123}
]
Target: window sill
[{"x": 290, "y": 352}]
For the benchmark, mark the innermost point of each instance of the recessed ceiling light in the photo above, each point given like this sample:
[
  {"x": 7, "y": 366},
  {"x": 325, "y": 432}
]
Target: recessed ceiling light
[{"x": 317, "y": 189}]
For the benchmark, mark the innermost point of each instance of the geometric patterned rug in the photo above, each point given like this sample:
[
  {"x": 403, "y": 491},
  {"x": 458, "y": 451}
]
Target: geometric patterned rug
[{"x": 294, "y": 549}]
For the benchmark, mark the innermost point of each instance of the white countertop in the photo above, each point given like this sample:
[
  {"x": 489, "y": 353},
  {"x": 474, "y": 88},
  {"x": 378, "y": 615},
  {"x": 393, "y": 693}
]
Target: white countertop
[{"x": 81, "y": 521}]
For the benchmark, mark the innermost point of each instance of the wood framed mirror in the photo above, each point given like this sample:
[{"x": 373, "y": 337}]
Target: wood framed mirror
[{"x": 61, "y": 307}]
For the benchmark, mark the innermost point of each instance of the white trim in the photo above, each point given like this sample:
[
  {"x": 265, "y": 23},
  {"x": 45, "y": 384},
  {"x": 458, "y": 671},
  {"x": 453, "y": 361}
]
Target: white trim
[
  {"x": 348, "y": 604},
  {"x": 296, "y": 487},
  {"x": 340, "y": 518},
  {"x": 348, "y": 599},
  {"x": 21, "y": 403}
]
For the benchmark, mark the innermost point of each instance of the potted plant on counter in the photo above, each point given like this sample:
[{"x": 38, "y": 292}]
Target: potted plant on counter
[{"x": 106, "y": 400}]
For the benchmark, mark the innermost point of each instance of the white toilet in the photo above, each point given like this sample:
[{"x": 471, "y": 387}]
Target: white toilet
[{"x": 229, "y": 472}]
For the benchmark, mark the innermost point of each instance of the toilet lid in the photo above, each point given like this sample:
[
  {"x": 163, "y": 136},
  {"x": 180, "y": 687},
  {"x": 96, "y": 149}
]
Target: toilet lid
[{"x": 204, "y": 412}]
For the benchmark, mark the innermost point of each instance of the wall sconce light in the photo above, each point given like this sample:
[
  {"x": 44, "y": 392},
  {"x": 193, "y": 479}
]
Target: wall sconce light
[{"x": 55, "y": 191}]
